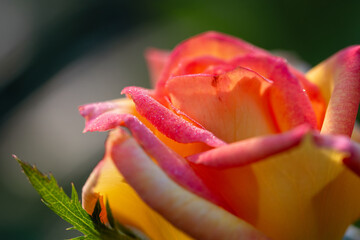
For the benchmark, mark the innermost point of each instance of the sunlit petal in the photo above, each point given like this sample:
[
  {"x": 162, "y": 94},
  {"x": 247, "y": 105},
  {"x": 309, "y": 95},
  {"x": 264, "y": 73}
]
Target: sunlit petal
[
  {"x": 233, "y": 106},
  {"x": 339, "y": 80}
]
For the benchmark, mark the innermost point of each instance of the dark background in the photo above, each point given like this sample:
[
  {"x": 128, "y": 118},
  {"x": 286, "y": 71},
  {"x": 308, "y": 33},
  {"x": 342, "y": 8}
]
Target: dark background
[{"x": 56, "y": 55}]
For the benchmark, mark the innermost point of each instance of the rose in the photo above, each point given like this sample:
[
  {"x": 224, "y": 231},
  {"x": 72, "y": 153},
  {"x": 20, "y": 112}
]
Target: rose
[{"x": 241, "y": 144}]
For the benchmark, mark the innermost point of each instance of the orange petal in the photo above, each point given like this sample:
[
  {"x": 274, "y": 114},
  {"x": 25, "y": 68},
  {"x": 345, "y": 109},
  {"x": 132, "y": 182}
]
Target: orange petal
[
  {"x": 195, "y": 216},
  {"x": 289, "y": 102},
  {"x": 313, "y": 91},
  {"x": 233, "y": 106},
  {"x": 207, "y": 44},
  {"x": 339, "y": 80},
  {"x": 197, "y": 65}
]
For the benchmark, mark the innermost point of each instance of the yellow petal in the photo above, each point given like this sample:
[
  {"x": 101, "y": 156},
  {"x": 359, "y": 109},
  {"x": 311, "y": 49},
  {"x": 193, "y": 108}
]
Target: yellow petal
[
  {"x": 322, "y": 76},
  {"x": 309, "y": 192},
  {"x": 303, "y": 193},
  {"x": 125, "y": 204}
]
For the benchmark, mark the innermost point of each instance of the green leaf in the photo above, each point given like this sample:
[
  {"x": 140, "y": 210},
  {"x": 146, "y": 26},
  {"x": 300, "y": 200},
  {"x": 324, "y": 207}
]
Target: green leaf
[
  {"x": 55, "y": 198},
  {"x": 70, "y": 209}
]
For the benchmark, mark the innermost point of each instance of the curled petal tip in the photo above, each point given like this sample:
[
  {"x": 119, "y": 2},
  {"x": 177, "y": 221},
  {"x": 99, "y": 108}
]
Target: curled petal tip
[
  {"x": 126, "y": 90},
  {"x": 102, "y": 116}
]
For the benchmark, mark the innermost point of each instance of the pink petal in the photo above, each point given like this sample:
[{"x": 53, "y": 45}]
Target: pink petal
[
  {"x": 156, "y": 60},
  {"x": 180, "y": 207},
  {"x": 207, "y": 44},
  {"x": 250, "y": 150},
  {"x": 339, "y": 79},
  {"x": 173, "y": 164},
  {"x": 168, "y": 122},
  {"x": 93, "y": 113}
]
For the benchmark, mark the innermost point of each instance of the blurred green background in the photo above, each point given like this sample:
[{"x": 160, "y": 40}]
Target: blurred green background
[{"x": 56, "y": 55}]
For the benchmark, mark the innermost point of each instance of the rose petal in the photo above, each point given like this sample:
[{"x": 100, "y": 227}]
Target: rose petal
[
  {"x": 233, "y": 105},
  {"x": 313, "y": 91},
  {"x": 293, "y": 189},
  {"x": 339, "y": 80},
  {"x": 168, "y": 122},
  {"x": 180, "y": 207},
  {"x": 104, "y": 116},
  {"x": 197, "y": 65},
  {"x": 126, "y": 206},
  {"x": 156, "y": 60},
  {"x": 289, "y": 102},
  {"x": 93, "y": 112},
  {"x": 250, "y": 150},
  {"x": 173, "y": 164},
  {"x": 344, "y": 144},
  {"x": 207, "y": 44}
]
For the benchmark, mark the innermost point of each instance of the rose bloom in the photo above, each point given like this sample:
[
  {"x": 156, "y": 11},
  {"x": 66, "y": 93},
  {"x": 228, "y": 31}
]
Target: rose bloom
[{"x": 232, "y": 143}]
